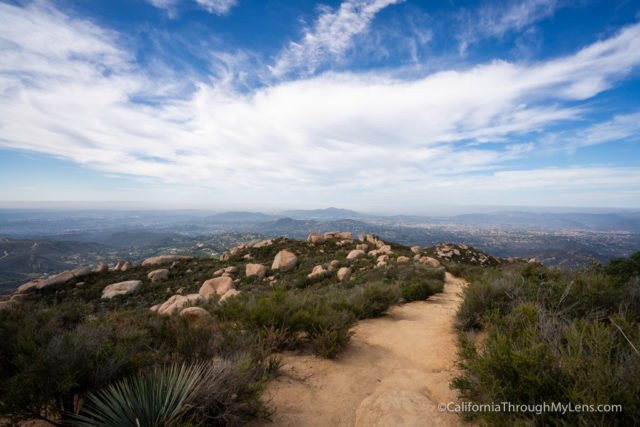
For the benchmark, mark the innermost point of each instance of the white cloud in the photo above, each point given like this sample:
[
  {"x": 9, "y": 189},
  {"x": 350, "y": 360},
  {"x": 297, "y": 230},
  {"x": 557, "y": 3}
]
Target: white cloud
[
  {"x": 334, "y": 137},
  {"x": 330, "y": 36},
  {"x": 219, "y": 7}
]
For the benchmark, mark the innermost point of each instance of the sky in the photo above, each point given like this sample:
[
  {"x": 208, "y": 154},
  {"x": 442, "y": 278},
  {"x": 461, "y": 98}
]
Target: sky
[{"x": 385, "y": 105}]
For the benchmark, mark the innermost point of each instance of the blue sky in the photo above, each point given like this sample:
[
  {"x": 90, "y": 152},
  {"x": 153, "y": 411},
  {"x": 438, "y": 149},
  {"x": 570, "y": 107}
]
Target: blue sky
[{"x": 384, "y": 105}]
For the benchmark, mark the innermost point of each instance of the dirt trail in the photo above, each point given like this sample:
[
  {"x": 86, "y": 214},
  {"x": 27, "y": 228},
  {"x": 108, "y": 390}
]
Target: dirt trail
[{"x": 395, "y": 371}]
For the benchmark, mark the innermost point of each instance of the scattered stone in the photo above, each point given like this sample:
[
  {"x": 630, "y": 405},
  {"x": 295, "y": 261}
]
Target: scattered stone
[
  {"x": 118, "y": 265},
  {"x": 355, "y": 254},
  {"x": 317, "y": 271},
  {"x": 229, "y": 294},
  {"x": 284, "y": 260},
  {"x": 164, "y": 259},
  {"x": 79, "y": 284},
  {"x": 195, "y": 315},
  {"x": 180, "y": 291},
  {"x": 158, "y": 275},
  {"x": 121, "y": 288},
  {"x": 344, "y": 274},
  {"x": 334, "y": 263},
  {"x": 256, "y": 270},
  {"x": 218, "y": 286}
]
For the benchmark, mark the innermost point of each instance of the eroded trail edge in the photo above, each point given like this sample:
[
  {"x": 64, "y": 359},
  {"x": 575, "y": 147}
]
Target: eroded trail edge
[{"x": 394, "y": 372}]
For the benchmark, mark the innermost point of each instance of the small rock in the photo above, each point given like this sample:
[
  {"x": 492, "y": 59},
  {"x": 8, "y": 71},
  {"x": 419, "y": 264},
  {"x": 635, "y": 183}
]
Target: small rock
[
  {"x": 158, "y": 275},
  {"x": 344, "y": 274},
  {"x": 121, "y": 288},
  {"x": 229, "y": 294},
  {"x": 231, "y": 269},
  {"x": 255, "y": 270},
  {"x": 284, "y": 260},
  {"x": 415, "y": 249},
  {"x": 355, "y": 254},
  {"x": 317, "y": 271},
  {"x": 217, "y": 286},
  {"x": 103, "y": 267}
]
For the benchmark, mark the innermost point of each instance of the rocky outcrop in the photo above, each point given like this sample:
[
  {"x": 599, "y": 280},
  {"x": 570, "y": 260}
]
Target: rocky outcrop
[
  {"x": 216, "y": 286},
  {"x": 164, "y": 259},
  {"x": 121, "y": 288},
  {"x": 344, "y": 274},
  {"x": 284, "y": 261},
  {"x": 258, "y": 270},
  {"x": 158, "y": 275}
]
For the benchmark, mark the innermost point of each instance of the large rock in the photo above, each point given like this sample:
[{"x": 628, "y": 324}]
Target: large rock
[
  {"x": 216, "y": 286},
  {"x": 255, "y": 270},
  {"x": 176, "y": 302},
  {"x": 195, "y": 315},
  {"x": 158, "y": 275},
  {"x": 164, "y": 259},
  {"x": 415, "y": 249},
  {"x": 344, "y": 274},
  {"x": 355, "y": 254},
  {"x": 126, "y": 266},
  {"x": 362, "y": 246},
  {"x": 81, "y": 272},
  {"x": 338, "y": 235},
  {"x": 284, "y": 260},
  {"x": 121, "y": 288},
  {"x": 403, "y": 259},
  {"x": 236, "y": 250},
  {"x": 317, "y": 271}
]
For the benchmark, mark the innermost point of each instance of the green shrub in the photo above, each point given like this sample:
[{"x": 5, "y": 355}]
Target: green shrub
[
  {"x": 372, "y": 300},
  {"x": 552, "y": 336},
  {"x": 421, "y": 290}
]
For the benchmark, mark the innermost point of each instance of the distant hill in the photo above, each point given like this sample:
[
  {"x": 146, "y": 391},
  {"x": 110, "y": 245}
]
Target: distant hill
[
  {"x": 239, "y": 217},
  {"x": 334, "y": 213}
]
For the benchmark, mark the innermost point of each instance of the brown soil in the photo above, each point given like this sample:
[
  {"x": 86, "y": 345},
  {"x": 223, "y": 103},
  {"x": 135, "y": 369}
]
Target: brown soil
[{"x": 395, "y": 371}]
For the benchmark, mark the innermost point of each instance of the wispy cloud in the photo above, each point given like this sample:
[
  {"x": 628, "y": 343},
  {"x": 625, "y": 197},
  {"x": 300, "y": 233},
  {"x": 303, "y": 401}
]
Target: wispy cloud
[
  {"x": 329, "y": 37},
  {"x": 328, "y": 137},
  {"x": 496, "y": 19},
  {"x": 218, "y": 7}
]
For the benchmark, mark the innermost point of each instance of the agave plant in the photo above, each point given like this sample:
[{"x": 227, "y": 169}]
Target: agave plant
[{"x": 156, "y": 398}]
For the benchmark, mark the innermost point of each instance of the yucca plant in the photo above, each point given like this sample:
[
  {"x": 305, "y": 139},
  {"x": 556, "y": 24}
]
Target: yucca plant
[{"x": 156, "y": 398}]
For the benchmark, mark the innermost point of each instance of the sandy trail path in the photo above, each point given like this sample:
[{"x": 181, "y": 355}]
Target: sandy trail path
[{"x": 395, "y": 371}]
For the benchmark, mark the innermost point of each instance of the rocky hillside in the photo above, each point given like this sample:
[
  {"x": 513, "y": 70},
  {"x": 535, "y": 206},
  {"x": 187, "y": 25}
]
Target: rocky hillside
[{"x": 80, "y": 330}]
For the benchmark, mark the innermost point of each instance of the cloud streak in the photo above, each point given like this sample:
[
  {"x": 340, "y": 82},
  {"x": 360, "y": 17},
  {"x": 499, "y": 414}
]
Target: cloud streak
[{"x": 329, "y": 37}]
